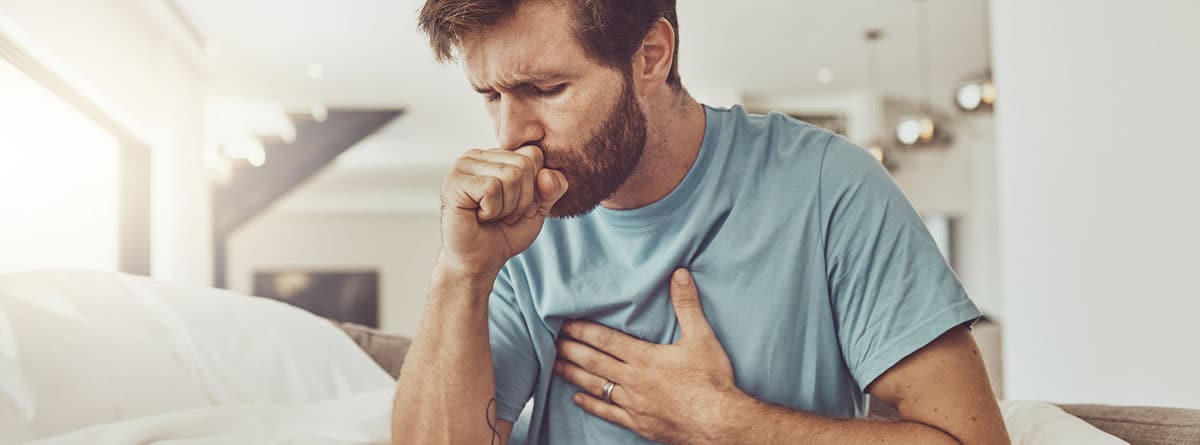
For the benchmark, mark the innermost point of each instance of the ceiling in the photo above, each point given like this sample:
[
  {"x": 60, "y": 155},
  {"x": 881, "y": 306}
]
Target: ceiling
[{"x": 372, "y": 55}]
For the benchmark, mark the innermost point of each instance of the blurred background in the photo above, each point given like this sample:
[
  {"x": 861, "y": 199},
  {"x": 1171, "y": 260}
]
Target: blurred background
[{"x": 294, "y": 150}]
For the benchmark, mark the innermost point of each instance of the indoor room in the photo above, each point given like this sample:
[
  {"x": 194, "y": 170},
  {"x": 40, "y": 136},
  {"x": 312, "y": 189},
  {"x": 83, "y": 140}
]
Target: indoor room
[{"x": 599, "y": 221}]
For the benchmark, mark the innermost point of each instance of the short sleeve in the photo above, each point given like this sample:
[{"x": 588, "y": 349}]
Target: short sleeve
[
  {"x": 891, "y": 289},
  {"x": 513, "y": 357}
]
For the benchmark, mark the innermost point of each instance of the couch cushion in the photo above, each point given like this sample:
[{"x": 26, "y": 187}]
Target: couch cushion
[
  {"x": 1143, "y": 425},
  {"x": 387, "y": 350}
]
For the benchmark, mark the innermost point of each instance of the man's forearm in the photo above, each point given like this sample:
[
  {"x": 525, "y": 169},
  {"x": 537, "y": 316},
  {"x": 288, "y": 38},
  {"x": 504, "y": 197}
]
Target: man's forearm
[
  {"x": 749, "y": 421},
  {"x": 447, "y": 381}
]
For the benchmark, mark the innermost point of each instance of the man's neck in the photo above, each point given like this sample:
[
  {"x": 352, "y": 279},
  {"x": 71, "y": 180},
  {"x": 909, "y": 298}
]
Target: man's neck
[{"x": 674, "y": 136}]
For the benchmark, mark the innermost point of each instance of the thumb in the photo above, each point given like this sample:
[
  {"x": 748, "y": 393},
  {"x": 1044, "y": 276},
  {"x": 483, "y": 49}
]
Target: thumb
[
  {"x": 551, "y": 185},
  {"x": 686, "y": 299}
]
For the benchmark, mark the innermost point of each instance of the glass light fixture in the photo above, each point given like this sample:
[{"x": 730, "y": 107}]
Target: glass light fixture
[
  {"x": 918, "y": 130},
  {"x": 877, "y": 146},
  {"x": 877, "y": 152},
  {"x": 978, "y": 93},
  {"x": 969, "y": 97},
  {"x": 922, "y": 129}
]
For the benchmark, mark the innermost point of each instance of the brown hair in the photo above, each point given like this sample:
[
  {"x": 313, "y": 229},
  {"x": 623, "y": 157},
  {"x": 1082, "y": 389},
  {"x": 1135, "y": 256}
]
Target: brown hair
[{"x": 610, "y": 31}]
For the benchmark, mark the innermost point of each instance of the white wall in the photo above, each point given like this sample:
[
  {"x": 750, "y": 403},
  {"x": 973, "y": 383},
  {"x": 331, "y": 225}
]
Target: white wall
[
  {"x": 129, "y": 53},
  {"x": 401, "y": 246},
  {"x": 1099, "y": 203}
]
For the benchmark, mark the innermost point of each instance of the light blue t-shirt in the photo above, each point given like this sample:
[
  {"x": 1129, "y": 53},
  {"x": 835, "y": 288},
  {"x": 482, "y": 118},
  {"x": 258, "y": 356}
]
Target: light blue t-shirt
[{"x": 814, "y": 270}]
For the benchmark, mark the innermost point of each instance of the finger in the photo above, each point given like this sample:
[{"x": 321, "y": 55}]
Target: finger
[
  {"x": 528, "y": 162},
  {"x": 552, "y": 185},
  {"x": 591, "y": 383},
  {"x": 606, "y": 411},
  {"x": 534, "y": 153},
  {"x": 610, "y": 341},
  {"x": 509, "y": 177},
  {"x": 538, "y": 159},
  {"x": 686, "y": 299},
  {"x": 593, "y": 361},
  {"x": 482, "y": 194}
]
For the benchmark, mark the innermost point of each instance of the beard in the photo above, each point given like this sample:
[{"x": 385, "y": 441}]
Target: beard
[{"x": 598, "y": 169}]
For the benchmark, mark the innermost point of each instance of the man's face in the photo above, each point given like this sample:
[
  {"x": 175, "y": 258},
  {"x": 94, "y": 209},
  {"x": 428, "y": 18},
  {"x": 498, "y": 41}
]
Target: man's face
[{"x": 541, "y": 89}]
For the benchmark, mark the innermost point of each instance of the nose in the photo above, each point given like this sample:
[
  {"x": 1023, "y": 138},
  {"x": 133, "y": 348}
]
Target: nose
[{"x": 517, "y": 124}]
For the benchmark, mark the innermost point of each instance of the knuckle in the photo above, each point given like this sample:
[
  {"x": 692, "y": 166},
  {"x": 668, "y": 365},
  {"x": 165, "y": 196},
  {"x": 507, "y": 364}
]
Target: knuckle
[
  {"x": 511, "y": 173},
  {"x": 565, "y": 350},
  {"x": 466, "y": 158},
  {"x": 526, "y": 163},
  {"x": 493, "y": 186},
  {"x": 603, "y": 339},
  {"x": 571, "y": 370},
  {"x": 451, "y": 183},
  {"x": 590, "y": 363},
  {"x": 685, "y": 298}
]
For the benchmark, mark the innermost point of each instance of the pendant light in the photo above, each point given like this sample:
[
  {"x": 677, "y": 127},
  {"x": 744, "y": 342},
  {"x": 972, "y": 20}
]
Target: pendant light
[
  {"x": 979, "y": 92},
  {"x": 922, "y": 129},
  {"x": 877, "y": 146}
]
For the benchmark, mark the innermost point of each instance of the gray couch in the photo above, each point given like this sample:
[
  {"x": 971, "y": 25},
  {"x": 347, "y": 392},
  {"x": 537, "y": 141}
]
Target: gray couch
[{"x": 1136, "y": 425}]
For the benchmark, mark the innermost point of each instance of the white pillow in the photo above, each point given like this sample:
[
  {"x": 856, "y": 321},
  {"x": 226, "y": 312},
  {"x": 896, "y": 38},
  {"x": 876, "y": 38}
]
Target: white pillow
[
  {"x": 1038, "y": 423},
  {"x": 79, "y": 349}
]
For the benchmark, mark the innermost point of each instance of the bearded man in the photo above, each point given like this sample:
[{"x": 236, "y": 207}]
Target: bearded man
[{"x": 648, "y": 269}]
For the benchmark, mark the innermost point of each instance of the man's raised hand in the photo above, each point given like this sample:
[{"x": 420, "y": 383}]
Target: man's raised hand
[{"x": 494, "y": 203}]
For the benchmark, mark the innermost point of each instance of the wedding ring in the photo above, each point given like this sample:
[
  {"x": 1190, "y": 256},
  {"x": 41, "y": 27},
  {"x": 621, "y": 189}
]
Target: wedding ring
[{"x": 608, "y": 389}]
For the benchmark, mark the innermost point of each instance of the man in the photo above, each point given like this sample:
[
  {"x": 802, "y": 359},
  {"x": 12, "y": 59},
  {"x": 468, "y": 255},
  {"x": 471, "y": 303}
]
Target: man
[{"x": 646, "y": 269}]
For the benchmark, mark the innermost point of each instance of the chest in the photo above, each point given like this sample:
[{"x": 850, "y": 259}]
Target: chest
[{"x": 751, "y": 269}]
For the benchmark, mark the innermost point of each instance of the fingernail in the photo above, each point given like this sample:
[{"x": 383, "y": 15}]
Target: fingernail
[
  {"x": 681, "y": 277},
  {"x": 578, "y": 398}
]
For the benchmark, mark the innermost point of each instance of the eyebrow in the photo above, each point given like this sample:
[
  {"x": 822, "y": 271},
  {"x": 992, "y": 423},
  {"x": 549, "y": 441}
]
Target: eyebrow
[{"x": 526, "y": 82}]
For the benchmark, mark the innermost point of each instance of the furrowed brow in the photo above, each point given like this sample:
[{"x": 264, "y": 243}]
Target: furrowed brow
[{"x": 524, "y": 82}]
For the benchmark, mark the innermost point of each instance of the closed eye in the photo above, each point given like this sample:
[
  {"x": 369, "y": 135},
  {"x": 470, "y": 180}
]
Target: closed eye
[{"x": 553, "y": 91}]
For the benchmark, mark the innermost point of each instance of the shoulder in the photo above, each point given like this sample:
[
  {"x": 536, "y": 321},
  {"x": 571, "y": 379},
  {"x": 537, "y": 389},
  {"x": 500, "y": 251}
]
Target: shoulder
[
  {"x": 784, "y": 152},
  {"x": 848, "y": 170},
  {"x": 776, "y": 130},
  {"x": 842, "y": 159}
]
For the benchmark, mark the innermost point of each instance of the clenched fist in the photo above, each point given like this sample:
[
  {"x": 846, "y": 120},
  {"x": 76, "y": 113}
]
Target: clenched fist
[{"x": 494, "y": 203}]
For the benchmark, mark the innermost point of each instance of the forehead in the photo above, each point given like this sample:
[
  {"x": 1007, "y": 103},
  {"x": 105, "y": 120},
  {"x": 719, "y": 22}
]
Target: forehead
[{"x": 537, "y": 42}]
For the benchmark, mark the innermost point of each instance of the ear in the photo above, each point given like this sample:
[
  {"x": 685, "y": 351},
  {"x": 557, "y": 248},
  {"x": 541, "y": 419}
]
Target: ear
[{"x": 652, "y": 63}]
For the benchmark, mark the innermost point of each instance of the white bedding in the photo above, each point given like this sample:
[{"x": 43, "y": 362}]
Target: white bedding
[
  {"x": 99, "y": 358},
  {"x": 83, "y": 349},
  {"x": 358, "y": 419}
]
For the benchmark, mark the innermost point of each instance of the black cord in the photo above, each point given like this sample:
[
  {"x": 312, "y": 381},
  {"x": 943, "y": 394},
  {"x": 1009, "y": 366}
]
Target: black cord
[{"x": 487, "y": 414}]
